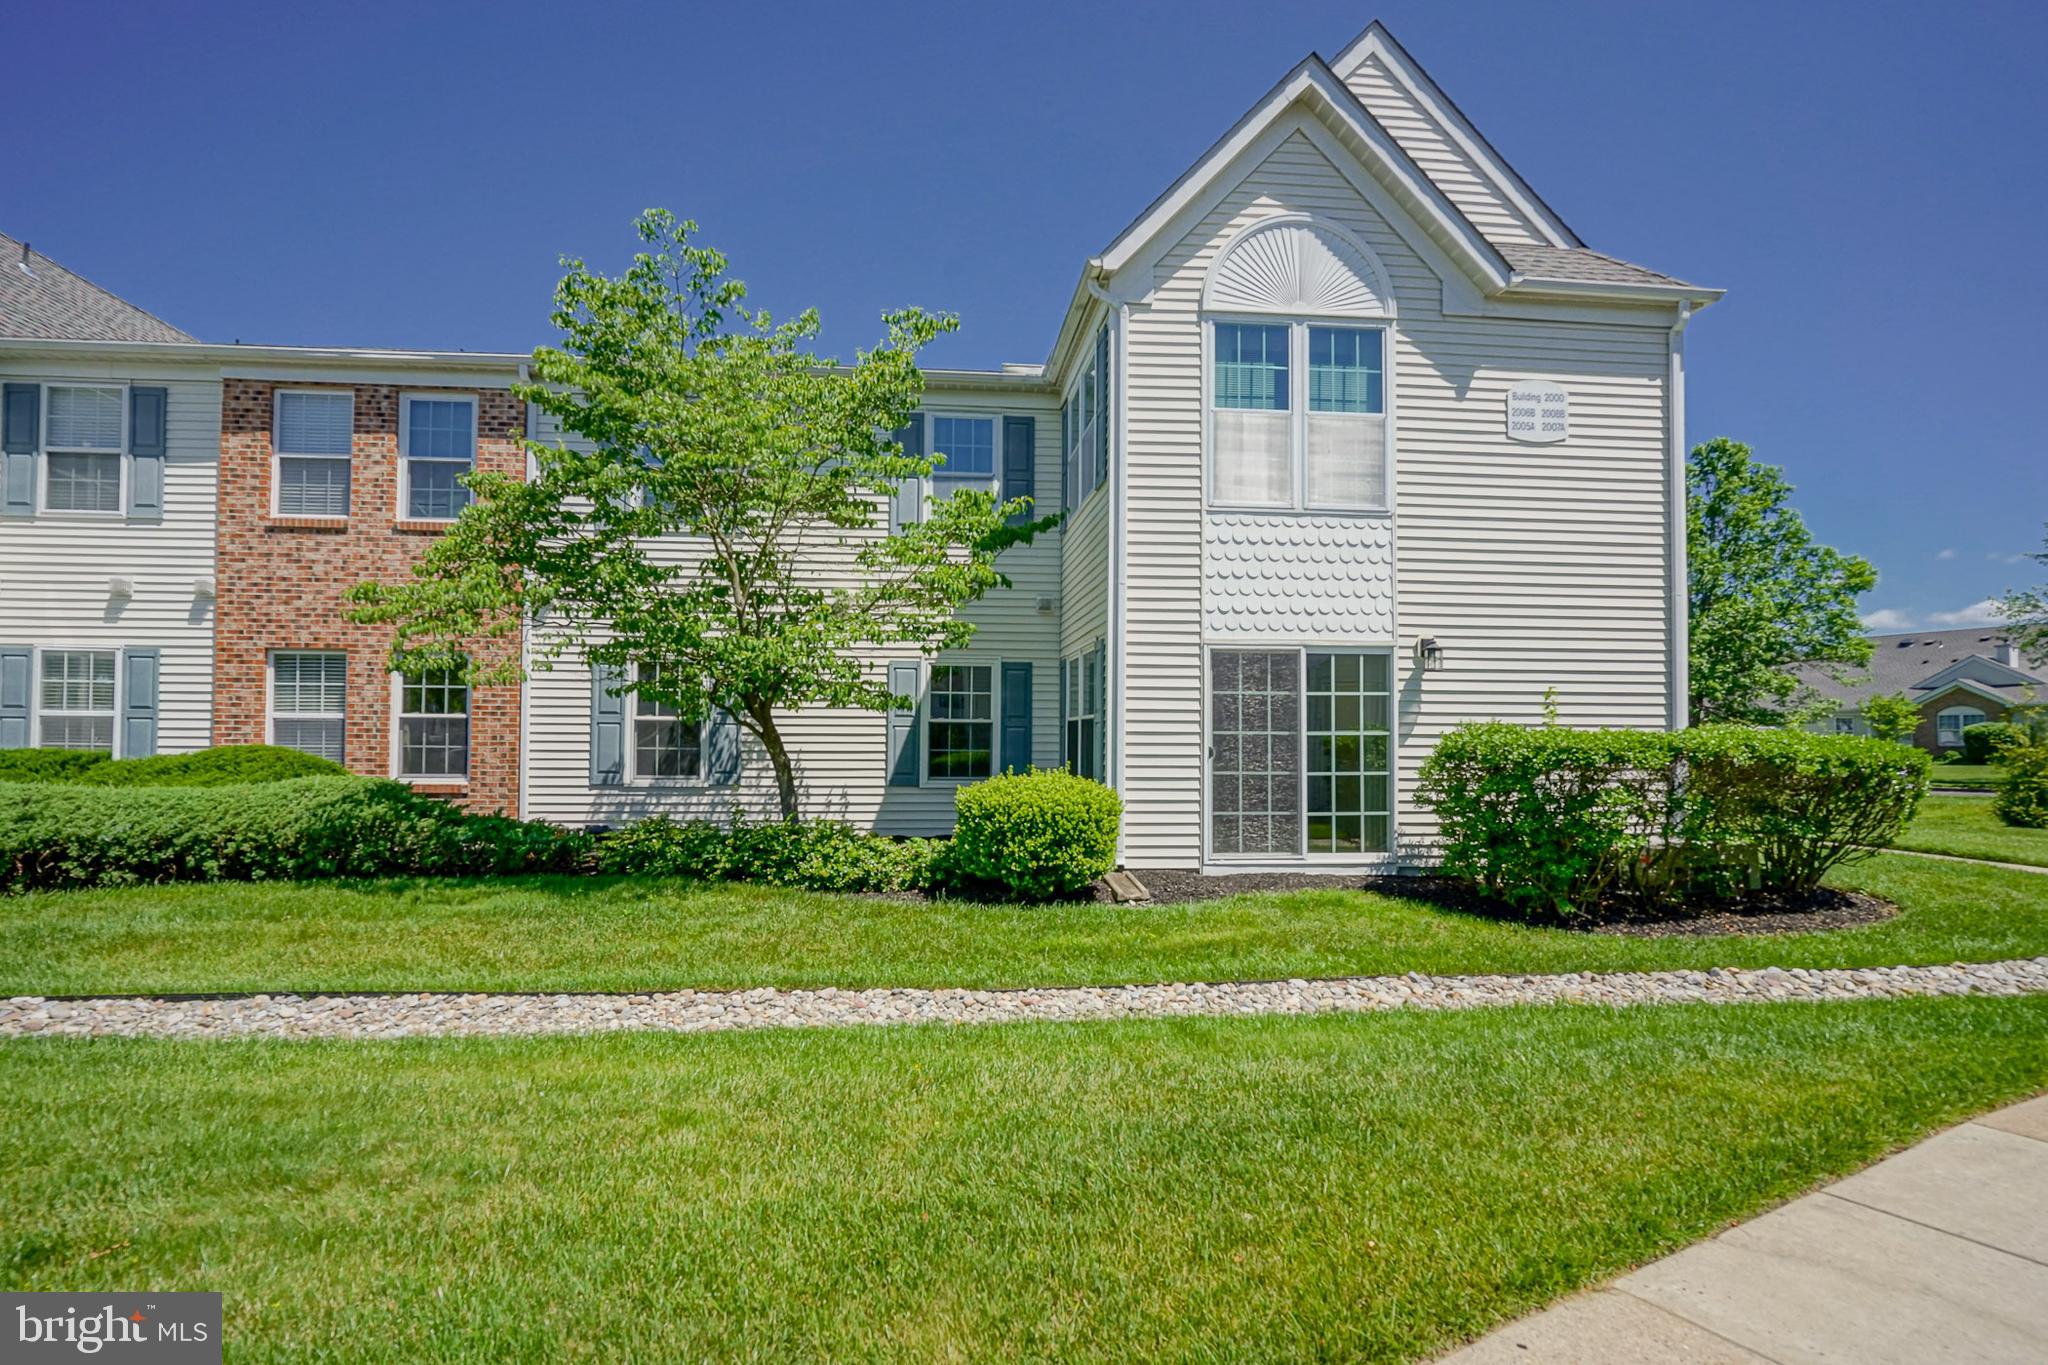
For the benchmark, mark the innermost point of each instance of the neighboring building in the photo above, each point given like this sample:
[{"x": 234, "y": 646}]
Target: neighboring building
[
  {"x": 1356, "y": 438},
  {"x": 1956, "y": 679}
]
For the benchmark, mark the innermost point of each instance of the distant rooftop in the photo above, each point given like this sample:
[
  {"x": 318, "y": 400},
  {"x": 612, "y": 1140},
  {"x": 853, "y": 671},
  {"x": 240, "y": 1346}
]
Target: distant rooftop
[
  {"x": 41, "y": 300},
  {"x": 1901, "y": 661}
]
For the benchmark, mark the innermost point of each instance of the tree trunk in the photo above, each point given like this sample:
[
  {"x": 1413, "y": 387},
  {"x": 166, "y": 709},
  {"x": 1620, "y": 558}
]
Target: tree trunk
[{"x": 778, "y": 754}]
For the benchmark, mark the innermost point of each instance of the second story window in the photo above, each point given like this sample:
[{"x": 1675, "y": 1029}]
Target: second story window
[
  {"x": 85, "y": 432},
  {"x": 313, "y": 435},
  {"x": 1285, "y": 434},
  {"x": 969, "y": 445},
  {"x": 436, "y": 446}
]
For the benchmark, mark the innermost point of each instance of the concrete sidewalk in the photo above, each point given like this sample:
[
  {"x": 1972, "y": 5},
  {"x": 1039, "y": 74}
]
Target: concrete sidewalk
[{"x": 1938, "y": 1254}]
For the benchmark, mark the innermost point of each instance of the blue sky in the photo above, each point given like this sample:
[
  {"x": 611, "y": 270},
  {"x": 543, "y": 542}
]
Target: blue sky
[{"x": 1867, "y": 180}]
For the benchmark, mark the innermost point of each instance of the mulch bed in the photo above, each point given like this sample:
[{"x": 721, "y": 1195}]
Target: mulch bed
[{"x": 1760, "y": 913}]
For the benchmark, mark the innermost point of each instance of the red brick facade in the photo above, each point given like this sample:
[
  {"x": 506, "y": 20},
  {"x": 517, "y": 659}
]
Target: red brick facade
[{"x": 280, "y": 580}]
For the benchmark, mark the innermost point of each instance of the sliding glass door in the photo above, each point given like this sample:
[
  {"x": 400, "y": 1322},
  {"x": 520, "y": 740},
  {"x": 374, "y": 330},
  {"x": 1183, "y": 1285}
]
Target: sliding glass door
[{"x": 1300, "y": 752}]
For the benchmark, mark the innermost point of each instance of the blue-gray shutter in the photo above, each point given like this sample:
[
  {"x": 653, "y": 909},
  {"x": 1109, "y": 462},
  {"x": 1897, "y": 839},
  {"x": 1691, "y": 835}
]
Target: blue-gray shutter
[
  {"x": 1016, "y": 717},
  {"x": 148, "y": 441},
  {"x": 907, "y": 507},
  {"x": 721, "y": 749},
  {"x": 607, "y": 725},
  {"x": 1066, "y": 673},
  {"x": 16, "y": 666},
  {"x": 138, "y": 703},
  {"x": 1102, "y": 408},
  {"x": 1020, "y": 465},
  {"x": 903, "y": 752},
  {"x": 1101, "y": 711},
  {"x": 21, "y": 409}
]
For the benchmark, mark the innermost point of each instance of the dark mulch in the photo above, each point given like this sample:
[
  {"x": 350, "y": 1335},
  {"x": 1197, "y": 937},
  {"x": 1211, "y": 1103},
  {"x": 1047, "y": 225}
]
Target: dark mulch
[{"x": 1759, "y": 913}]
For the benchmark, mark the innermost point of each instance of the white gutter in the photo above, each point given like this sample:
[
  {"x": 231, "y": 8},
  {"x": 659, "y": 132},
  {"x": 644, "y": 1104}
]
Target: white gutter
[
  {"x": 1119, "y": 410},
  {"x": 1677, "y": 592},
  {"x": 1691, "y": 295},
  {"x": 298, "y": 355}
]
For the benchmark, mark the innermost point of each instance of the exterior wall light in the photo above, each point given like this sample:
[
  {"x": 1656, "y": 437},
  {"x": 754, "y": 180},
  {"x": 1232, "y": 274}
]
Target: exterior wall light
[
  {"x": 120, "y": 589},
  {"x": 1429, "y": 653}
]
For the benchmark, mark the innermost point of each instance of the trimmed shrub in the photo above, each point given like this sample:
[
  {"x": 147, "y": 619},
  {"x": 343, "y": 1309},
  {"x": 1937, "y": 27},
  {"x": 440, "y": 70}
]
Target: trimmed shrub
[
  {"x": 1040, "y": 834},
  {"x": 1557, "y": 821},
  {"x": 69, "y": 835},
  {"x": 815, "y": 855},
  {"x": 48, "y": 765},
  {"x": 1992, "y": 740},
  {"x": 229, "y": 765},
  {"x": 2022, "y": 798}
]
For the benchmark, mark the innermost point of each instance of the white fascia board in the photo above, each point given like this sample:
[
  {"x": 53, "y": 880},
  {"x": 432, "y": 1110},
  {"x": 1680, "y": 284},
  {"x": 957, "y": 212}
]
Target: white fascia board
[
  {"x": 1315, "y": 84},
  {"x": 236, "y": 356},
  {"x": 1951, "y": 672},
  {"x": 1984, "y": 690},
  {"x": 1378, "y": 41},
  {"x": 1545, "y": 286}
]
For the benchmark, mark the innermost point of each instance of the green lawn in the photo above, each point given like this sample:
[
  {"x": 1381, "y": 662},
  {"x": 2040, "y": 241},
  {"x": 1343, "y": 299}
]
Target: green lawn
[
  {"x": 599, "y": 934},
  {"x": 1372, "y": 1188},
  {"x": 1967, "y": 775},
  {"x": 1967, "y": 827}
]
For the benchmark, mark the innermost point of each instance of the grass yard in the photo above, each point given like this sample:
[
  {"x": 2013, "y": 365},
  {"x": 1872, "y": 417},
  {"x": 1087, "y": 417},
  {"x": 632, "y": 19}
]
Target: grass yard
[
  {"x": 1371, "y": 1188},
  {"x": 1967, "y": 775},
  {"x": 1967, "y": 827},
  {"x": 562, "y": 934}
]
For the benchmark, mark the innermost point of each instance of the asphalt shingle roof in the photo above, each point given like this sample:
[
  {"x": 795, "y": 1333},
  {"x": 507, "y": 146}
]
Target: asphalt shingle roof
[
  {"x": 40, "y": 299},
  {"x": 1580, "y": 263},
  {"x": 1899, "y": 662}
]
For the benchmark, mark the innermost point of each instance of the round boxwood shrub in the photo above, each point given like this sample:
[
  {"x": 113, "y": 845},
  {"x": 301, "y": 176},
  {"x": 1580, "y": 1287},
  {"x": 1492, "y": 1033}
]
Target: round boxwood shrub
[
  {"x": 2022, "y": 798},
  {"x": 1992, "y": 740},
  {"x": 1040, "y": 834}
]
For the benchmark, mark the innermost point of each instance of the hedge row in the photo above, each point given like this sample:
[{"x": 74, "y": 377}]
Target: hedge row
[
  {"x": 1556, "y": 821},
  {"x": 1032, "y": 837},
  {"x": 229, "y": 765}
]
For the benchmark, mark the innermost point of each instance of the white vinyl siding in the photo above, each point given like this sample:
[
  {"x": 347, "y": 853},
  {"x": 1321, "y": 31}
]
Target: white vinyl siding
[
  {"x": 58, "y": 572},
  {"x": 309, "y": 701},
  {"x": 314, "y": 435},
  {"x": 841, "y": 752},
  {"x": 1536, "y": 567}
]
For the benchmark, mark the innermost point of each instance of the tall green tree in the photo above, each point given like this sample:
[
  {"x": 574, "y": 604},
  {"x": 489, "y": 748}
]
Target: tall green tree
[
  {"x": 1892, "y": 716},
  {"x": 2025, "y": 612},
  {"x": 771, "y": 469},
  {"x": 1762, "y": 594}
]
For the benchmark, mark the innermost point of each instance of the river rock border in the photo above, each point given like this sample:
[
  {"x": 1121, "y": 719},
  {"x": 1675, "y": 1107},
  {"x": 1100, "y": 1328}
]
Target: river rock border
[{"x": 429, "y": 1014}]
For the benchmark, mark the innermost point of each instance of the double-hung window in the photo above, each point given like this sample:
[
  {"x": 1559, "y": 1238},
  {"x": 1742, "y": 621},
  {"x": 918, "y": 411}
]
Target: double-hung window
[
  {"x": 1950, "y": 724},
  {"x": 1084, "y": 712},
  {"x": 85, "y": 431},
  {"x": 960, "y": 723},
  {"x": 1298, "y": 416},
  {"x": 309, "y": 701},
  {"x": 314, "y": 432},
  {"x": 437, "y": 446},
  {"x": 433, "y": 725},
  {"x": 666, "y": 748},
  {"x": 76, "y": 702},
  {"x": 1077, "y": 424},
  {"x": 969, "y": 447}
]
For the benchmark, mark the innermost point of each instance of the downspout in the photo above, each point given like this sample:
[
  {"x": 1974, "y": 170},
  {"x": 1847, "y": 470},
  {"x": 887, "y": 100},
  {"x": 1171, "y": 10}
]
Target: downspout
[
  {"x": 526, "y": 652},
  {"x": 1113, "y": 684},
  {"x": 1677, "y": 592}
]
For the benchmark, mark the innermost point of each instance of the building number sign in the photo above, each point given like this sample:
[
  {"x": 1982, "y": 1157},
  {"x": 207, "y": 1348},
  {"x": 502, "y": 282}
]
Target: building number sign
[{"x": 1539, "y": 412}]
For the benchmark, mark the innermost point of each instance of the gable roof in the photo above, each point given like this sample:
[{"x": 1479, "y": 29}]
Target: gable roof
[
  {"x": 1913, "y": 661},
  {"x": 1580, "y": 265},
  {"x": 1377, "y": 40},
  {"x": 40, "y": 299}
]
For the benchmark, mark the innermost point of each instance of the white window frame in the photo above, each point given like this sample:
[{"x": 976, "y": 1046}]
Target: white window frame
[
  {"x": 278, "y": 454},
  {"x": 1077, "y": 461},
  {"x": 271, "y": 713},
  {"x": 632, "y": 758},
  {"x": 938, "y": 481},
  {"x": 1077, "y": 678},
  {"x": 399, "y": 715},
  {"x": 1298, "y": 325},
  {"x": 37, "y": 709},
  {"x": 1247, "y": 861},
  {"x": 995, "y": 721},
  {"x": 45, "y": 450},
  {"x": 1943, "y": 731},
  {"x": 406, "y": 458}
]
